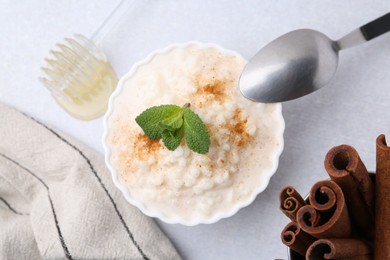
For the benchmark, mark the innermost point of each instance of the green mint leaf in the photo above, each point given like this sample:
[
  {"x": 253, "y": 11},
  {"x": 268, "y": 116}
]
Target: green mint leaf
[
  {"x": 195, "y": 132},
  {"x": 173, "y": 122},
  {"x": 149, "y": 120},
  {"x": 172, "y": 139},
  {"x": 170, "y": 121}
]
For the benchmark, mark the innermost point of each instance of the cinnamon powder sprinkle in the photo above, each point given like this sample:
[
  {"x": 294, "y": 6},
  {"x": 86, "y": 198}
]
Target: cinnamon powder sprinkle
[
  {"x": 238, "y": 129},
  {"x": 144, "y": 147},
  {"x": 216, "y": 89}
]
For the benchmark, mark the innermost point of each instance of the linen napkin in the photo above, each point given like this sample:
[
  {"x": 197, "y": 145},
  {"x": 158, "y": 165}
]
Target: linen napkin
[{"x": 57, "y": 200}]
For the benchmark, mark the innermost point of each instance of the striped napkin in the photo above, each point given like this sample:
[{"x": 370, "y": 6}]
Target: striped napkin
[{"x": 57, "y": 200}]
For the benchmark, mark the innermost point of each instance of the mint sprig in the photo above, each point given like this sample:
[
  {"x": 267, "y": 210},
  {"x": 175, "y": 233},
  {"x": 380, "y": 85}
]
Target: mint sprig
[
  {"x": 171, "y": 122},
  {"x": 150, "y": 119}
]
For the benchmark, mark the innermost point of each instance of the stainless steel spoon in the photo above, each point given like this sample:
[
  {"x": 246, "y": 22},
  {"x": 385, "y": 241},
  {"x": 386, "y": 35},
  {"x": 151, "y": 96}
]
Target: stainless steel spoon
[{"x": 300, "y": 62}]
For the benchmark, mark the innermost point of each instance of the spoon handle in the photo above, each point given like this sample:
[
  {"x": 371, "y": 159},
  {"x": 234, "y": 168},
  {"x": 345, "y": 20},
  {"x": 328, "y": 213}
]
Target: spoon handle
[
  {"x": 366, "y": 32},
  {"x": 376, "y": 28}
]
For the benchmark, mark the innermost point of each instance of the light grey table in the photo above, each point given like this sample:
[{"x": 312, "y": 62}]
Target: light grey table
[{"x": 354, "y": 108}]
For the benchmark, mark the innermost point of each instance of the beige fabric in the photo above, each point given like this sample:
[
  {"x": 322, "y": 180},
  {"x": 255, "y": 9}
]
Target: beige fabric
[{"x": 46, "y": 177}]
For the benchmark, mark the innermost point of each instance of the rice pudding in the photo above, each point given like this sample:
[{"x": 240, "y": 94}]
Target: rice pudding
[{"x": 184, "y": 185}]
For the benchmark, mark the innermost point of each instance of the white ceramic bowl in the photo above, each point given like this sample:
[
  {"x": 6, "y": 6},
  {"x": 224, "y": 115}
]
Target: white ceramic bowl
[{"x": 231, "y": 211}]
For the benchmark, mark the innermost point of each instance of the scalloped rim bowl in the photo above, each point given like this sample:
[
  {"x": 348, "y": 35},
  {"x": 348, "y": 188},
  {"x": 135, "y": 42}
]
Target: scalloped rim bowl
[{"x": 225, "y": 214}]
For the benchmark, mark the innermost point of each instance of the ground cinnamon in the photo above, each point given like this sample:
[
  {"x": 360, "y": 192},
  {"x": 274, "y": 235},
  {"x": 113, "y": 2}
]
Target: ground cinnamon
[
  {"x": 382, "y": 210},
  {"x": 345, "y": 167}
]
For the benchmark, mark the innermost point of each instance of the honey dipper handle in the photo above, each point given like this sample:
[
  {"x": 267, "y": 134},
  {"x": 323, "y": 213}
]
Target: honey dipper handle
[{"x": 112, "y": 19}]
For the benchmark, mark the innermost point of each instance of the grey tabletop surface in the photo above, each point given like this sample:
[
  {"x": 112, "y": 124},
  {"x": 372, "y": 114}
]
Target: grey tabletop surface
[{"x": 353, "y": 109}]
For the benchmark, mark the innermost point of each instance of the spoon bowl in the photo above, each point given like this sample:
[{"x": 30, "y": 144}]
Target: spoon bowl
[
  {"x": 300, "y": 62},
  {"x": 291, "y": 66}
]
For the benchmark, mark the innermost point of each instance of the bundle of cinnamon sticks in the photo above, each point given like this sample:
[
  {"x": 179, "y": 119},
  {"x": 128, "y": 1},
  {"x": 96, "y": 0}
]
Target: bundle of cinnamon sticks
[{"x": 346, "y": 216}]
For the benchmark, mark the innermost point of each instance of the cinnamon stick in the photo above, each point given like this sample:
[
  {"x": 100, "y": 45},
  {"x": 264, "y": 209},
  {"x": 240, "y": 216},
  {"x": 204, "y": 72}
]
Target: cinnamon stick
[
  {"x": 382, "y": 210},
  {"x": 345, "y": 167},
  {"x": 327, "y": 216},
  {"x": 339, "y": 248},
  {"x": 295, "y": 238},
  {"x": 290, "y": 202}
]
